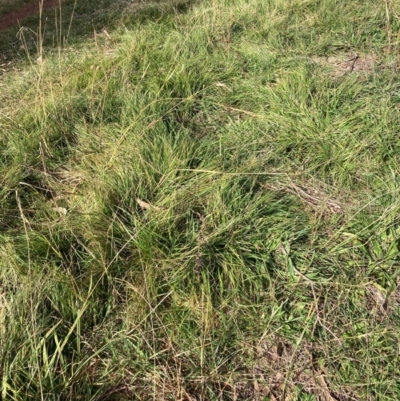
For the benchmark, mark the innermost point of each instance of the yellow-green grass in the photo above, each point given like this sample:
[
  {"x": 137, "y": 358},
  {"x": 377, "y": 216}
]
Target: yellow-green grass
[{"x": 205, "y": 206}]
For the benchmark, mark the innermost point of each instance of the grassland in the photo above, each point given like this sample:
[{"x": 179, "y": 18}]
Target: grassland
[{"x": 203, "y": 203}]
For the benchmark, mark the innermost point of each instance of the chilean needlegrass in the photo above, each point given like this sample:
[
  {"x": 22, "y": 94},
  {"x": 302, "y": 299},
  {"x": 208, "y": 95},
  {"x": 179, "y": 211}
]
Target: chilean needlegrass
[{"x": 205, "y": 207}]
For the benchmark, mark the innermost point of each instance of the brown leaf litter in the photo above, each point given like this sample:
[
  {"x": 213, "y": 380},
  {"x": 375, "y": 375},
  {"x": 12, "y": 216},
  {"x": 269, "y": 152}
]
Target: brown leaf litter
[{"x": 146, "y": 206}]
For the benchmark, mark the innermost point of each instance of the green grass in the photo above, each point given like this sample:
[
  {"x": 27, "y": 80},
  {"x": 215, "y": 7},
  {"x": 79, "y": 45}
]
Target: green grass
[{"x": 204, "y": 206}]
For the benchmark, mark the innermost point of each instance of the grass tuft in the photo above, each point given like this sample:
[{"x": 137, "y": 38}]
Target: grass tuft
[{"x": 200, "y": 202}]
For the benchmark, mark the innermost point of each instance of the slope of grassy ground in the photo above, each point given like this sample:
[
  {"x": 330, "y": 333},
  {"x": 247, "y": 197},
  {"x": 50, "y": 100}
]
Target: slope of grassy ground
[{"x": 205, "y": 206}]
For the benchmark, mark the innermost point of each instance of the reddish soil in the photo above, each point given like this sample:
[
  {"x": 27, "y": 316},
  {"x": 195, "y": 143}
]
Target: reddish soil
[{"x": 14, "y": 17}]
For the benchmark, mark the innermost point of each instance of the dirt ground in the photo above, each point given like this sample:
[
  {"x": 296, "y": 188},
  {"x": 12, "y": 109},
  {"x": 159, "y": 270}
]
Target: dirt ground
[{"x": 14, "y": 17}]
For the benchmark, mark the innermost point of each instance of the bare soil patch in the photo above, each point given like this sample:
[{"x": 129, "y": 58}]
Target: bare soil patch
[
  {"x": 14, "y": 17},
  {"x": 348, "y": 63}
]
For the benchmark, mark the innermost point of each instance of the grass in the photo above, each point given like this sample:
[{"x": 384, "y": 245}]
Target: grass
[
  {"x": 204, "y": 205},
  {"x": 8, "y": 5},
  {"x": 74, "y": 21}
]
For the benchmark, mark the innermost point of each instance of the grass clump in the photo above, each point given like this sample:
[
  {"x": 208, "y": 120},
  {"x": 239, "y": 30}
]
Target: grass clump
[{"x": 205, "y": 206}]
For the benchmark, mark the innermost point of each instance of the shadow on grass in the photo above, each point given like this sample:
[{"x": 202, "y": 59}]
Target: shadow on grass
[{"x": 77, "y": 20}]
